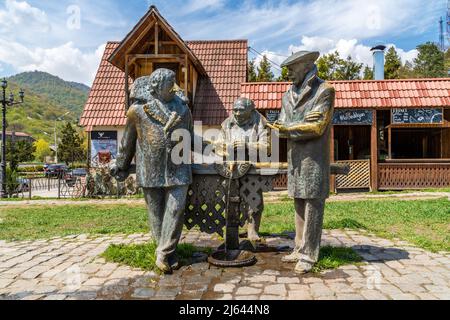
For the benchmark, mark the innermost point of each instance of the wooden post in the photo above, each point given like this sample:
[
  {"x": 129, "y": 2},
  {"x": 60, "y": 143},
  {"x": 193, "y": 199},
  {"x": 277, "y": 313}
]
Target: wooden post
[
  {"x": 351, "y": 155},
  {"x": 333, "y": 159},
  {"x": 186, "y": 70},
  {"x": 390, "y": 142},
  {"x": 374, "y": 153},
  {"x": 89, "y": 150},
  {"x": 127, "y": 93},
  {"x": 156, "y": 38}
]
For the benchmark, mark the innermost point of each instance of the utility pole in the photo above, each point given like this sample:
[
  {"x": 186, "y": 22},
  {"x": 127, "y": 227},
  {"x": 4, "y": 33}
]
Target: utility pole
[{"x": 6, "y": 103}]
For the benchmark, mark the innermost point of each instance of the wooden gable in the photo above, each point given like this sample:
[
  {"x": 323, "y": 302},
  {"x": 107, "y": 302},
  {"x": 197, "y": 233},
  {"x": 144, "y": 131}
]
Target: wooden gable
[{"x": 153, "y": 44}]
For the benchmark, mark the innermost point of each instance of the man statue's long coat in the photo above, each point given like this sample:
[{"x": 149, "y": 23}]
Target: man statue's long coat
[
  {"x": 309, "y": 151},
  {"x": 144, "y": 137}
]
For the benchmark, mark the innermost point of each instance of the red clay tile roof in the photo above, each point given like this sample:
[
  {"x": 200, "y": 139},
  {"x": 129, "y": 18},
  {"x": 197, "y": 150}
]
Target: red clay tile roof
[
  {"x": 106, "y": 101},
  {"x": 224, "y": 61},
  {"x": 409, "y": 93},
  {"x": 226, "y": 65},
  {"x": 17, "y": 134}
]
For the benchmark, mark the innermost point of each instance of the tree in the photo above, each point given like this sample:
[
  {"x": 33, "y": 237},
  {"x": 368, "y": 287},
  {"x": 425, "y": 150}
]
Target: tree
[
  {"x": 447, "y": 62},
  {"x": 368, "y": 73},
  {"x": 430, "y": 61},
  {"x": 333, "y": 67},
  {"x": 42, "y": 150},
  {"x": 350, "y": 70},
  {"x": 70, "y": 149},
  {"x": 392, "y": 65},
  {"x": 328, "y": 65},
  {"x": 284, "y": 75},
  {"x": 251, "y": 73},
  {"x": 265, "y": 73},
  {"x": 18, "y": 152},
  {"x": 407, "y": 71}
]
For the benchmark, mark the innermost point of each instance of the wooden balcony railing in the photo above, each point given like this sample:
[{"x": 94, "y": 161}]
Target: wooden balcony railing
[{"x": 398, "y": 176}]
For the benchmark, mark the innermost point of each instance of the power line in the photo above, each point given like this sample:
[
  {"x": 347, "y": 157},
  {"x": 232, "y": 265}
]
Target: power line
[{"x": 274, "y": 64}]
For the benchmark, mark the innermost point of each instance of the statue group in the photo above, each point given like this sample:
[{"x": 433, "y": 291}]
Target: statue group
[{"x": 160, "y": 109}]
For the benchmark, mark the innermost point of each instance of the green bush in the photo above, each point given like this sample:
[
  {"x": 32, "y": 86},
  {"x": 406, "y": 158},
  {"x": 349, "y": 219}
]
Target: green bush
[
  {"x": 77, "y": 165},
  {"x": 35, "y": 168},
  {"x": 11, "y": 181}
]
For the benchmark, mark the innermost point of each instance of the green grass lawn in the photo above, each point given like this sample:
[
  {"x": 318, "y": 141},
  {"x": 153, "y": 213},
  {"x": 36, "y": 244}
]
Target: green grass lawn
[
  {"x": 426, "y": 223},
  {"x": 143, "y": 256}
]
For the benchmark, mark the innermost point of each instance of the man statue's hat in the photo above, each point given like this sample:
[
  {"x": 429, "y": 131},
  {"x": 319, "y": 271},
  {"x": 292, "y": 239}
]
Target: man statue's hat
[{"x": 301, "y": 57}]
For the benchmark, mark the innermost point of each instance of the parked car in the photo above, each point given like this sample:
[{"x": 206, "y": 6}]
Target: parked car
[
  {"x": 81, "y": 172},
  {"x": 56, "y": 170},
  {"x": 71, "y": 176}
]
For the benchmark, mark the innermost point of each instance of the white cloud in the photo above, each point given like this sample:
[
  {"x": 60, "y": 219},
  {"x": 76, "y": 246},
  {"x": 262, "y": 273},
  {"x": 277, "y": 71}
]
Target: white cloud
[
  {"x": 351, "y": 47},
  {"x": 66, "y": 61},
  {"x": 275, "y": 22},
  {"x": 197, "y": 5},
  {"x": 20, "y": 17}
]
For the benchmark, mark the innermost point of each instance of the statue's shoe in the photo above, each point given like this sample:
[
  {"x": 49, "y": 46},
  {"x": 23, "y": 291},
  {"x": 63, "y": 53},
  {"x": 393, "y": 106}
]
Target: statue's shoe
[
  {"x": 291, "y": 258},
  {"x": 254, "y": 236},
  {"x": 174, "y": 262},
  {"x": 303, "y": 267},
  {"x": 163, "y": 265}
]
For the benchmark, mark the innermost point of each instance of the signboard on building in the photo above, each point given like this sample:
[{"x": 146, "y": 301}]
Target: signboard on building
[
  {"x": 353, "y": 117},
  {"x": 272, "y": 115},
  {"x": 417, "y": 116},
  {"x": 103, "y": 146}
]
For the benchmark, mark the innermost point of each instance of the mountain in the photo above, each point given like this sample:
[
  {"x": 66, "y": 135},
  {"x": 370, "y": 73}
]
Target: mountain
[
  {"x": 47, "y": 98},
  {"x": 69, "y": 95}
]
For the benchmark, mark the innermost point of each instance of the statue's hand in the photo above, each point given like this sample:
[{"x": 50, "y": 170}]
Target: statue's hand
[
  {"x": 118, "y": 174},
  {"x": 313, "y": 116},
  {"x": 277, "y": 126}
]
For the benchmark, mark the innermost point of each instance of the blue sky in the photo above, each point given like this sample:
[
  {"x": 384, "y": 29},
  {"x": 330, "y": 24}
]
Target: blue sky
[{"x": 67, "y": 38}]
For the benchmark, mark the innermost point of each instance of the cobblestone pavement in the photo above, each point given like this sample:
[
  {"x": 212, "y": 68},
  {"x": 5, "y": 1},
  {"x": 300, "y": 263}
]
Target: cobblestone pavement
[{"x": 69, "y": 268}]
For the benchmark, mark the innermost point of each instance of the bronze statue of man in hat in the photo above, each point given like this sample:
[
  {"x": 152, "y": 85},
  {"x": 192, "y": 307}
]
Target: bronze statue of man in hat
[{"x": 306, "y": 120}]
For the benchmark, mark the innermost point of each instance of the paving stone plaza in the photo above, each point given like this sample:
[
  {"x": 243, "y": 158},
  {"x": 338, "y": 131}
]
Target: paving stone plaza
[{"x": 69, "y": 268}]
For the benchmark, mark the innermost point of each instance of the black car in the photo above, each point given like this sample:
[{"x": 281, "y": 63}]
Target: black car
[{"x": 56, "y": 170}]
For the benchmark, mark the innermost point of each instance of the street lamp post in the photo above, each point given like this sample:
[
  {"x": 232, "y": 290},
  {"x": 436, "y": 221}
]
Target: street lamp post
[{"x": 6, "y": 103}]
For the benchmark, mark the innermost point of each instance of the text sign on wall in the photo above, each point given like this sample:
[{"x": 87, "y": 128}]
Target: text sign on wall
[
  {"x": 353, "y": 117},
  {"x": 272, "y": 115},
  {"x": 103, "y": 142},
  {"x": 411, "y": 116}
]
